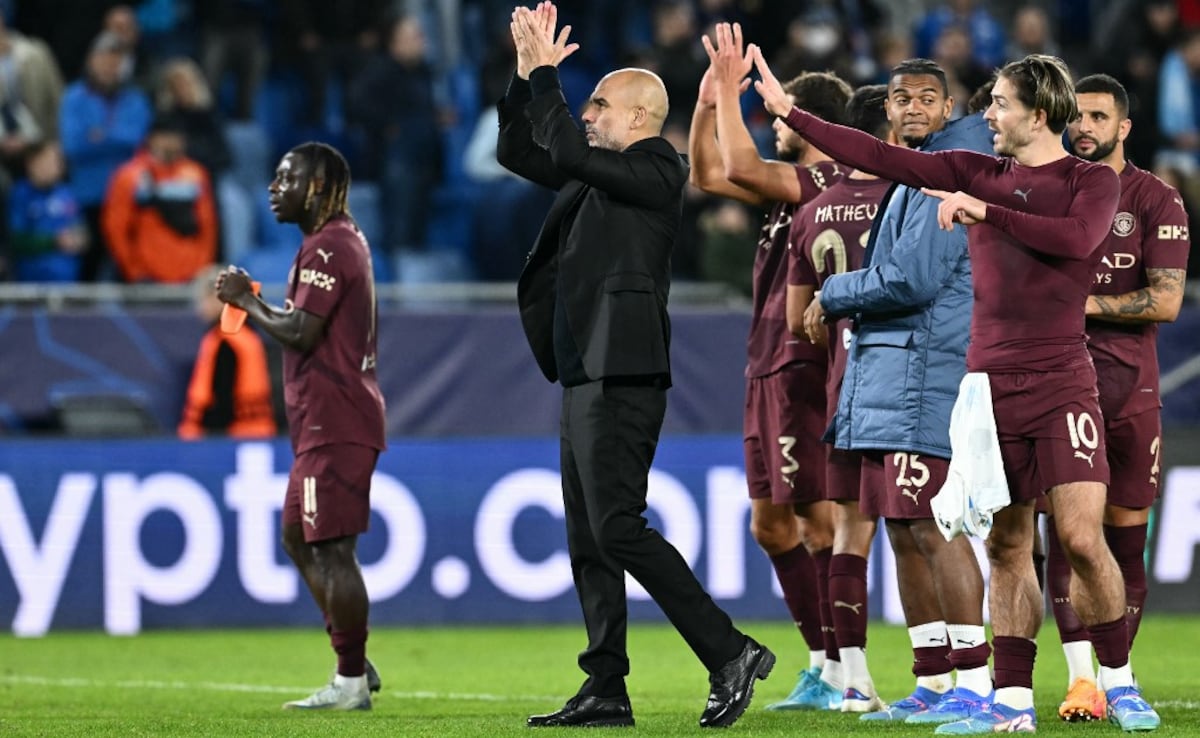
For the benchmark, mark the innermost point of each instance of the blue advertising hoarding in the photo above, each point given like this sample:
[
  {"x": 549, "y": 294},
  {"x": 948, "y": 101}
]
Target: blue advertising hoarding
[{"x": 134, "y": 535}]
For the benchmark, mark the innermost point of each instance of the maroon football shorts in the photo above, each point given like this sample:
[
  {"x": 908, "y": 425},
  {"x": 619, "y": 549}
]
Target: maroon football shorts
[
  {"x": 1050, "y": 428},
  {"x": 329, "y": 491},
  {"x": 903, "y": 483},
  {"x": 843, "y": 475},
  {"x": 782, "y": 425},
  {"x": 1135, "y": 458}
]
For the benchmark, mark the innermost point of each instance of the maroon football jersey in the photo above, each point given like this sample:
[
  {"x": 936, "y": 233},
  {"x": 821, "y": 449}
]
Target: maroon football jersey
[
  {"x": 1150, "y": 231},
  {"x": 829, "y": 236},
  {"x": 331, "y": 392},
  {"x": 1034, "y": 257},
  {"x": 770, "y": 346}
]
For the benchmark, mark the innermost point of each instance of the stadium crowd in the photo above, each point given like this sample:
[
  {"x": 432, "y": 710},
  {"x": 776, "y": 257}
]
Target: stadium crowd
[{"x": 138, "y": 138}]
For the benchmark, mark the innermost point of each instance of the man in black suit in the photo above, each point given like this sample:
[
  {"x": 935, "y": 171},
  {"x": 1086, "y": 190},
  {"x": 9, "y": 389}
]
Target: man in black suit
[{"x": 593, "y": 300}]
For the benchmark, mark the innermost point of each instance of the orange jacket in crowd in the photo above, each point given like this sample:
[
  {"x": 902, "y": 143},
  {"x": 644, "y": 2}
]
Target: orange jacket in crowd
[
  {"x": 159, "y": 219},
  {"x": 230, "y": 391}
]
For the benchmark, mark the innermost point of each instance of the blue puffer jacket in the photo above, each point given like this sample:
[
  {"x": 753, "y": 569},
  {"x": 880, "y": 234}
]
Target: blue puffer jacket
[{"x": 913, "y": 308}]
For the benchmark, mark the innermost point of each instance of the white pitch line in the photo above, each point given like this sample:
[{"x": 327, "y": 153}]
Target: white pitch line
[
  {"x": 1185, "y": 704},
  {"x": 77, "y": 682}
]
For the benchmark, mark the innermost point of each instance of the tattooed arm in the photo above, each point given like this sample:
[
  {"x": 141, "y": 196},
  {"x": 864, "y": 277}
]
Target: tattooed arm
[{"x": 1157, "y": 303}]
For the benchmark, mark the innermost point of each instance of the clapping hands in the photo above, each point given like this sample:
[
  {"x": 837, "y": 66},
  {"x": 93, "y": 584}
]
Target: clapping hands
[{"x": 534, "y": 39}]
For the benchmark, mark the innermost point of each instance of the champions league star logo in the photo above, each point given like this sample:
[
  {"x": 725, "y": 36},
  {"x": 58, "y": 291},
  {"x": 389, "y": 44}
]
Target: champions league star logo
[{"x": 1123, "y": 224}]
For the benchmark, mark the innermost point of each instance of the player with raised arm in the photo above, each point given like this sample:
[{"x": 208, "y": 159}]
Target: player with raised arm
[
  {"x": 785, "y": 402},
  {"x": 829, "y": 236},
  {"x": 327, "y": 327},
  {"x": 1037, "y": 218},
  {"x": 1138, "y": 284},
  {"x": 911, "y": 314}
]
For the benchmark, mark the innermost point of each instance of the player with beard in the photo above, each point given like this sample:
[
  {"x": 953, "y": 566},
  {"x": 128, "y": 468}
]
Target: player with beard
[
  {"x": 785, "y": 405},
  {"x": 911, "y": 310},
  {"x": 1037, "y": 217},
  {"x": 829, "y": 236},
  {"x": 1138, "y": 284}
]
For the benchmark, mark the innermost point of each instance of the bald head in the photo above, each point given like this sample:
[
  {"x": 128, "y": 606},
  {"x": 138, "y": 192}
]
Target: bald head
[{"x": 627, "y": 106}]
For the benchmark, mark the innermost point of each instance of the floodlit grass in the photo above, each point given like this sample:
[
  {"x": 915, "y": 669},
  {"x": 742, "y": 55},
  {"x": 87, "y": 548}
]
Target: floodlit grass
[{"x": 476, "y": 682}]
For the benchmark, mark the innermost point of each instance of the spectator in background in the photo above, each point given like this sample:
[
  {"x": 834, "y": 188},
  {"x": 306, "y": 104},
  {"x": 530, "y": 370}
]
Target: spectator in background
[
  {"x": 230, "y": 390},
  {"x": 159, "y": 220},
  {"x": 676, "y": 56},
  {"x": 183, "y": 93},
  {"x": 1131, "y": 44},
  {"x": 1031, "y": 34},
  {"x": 167, "y": 29},
  {"x": 46, "y": 226},
  {"x": 964, "y": 74},
  {"x": 392, "y": 102},
  {"x": 18, "y": 131},
  {"x": 328, "y": 46},
  {"x": 985, "y": 32},
  {"x": 815, "y": 43},
  {"x": 30, "y": 78},
  {"x": 102, "y": 120},
  {"x": 233, "y": 41},
  {"x": 1178, "y": 98},
  {"x": 67, "y": 26},
  {"x": 122, "y": 23},
  {"x": 890, "y": 50}
]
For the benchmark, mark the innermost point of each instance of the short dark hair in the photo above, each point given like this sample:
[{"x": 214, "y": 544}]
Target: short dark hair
[
  {"x": 824, "y": 94},
  {"x": 981, "y": 98},
  {"x": 167, "y": 123},
  {"x": 1043, "y": 82},
  {"x": 920, "y": 66},
  {"x": 328, "y": 165},
  {"x": 1104, "y": 84},
  {"x": 867, "y": 110}
]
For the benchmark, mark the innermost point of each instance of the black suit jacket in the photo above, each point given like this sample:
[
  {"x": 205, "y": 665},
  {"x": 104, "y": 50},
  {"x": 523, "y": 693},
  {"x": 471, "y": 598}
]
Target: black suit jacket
[{"x": 622, "y": 210}]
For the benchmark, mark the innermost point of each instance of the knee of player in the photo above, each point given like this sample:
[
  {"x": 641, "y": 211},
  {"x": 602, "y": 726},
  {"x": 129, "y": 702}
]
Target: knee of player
[
  {"x": 1008, "y": 547},
  {"x": 335, "y": 555},
  {"x": 932, "y": 543},
  {"x": 773, "y": 535},
  {"x": 1082, "y": 546}
]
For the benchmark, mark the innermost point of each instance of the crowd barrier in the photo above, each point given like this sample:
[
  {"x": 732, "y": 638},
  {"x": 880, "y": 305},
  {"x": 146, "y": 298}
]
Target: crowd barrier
[{"x": 445, "y": 368}]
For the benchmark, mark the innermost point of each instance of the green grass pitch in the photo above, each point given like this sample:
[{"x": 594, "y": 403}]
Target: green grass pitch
[{"x": 478, "y": 682}]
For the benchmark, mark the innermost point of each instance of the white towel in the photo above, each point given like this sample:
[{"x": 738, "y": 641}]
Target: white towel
[{"x": 976, "y": 486}]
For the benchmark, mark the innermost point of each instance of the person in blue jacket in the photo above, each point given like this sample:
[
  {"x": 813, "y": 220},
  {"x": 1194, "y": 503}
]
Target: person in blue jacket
[
  {"x": 102, "y": 122},
  {"x": 907, "y": 356}
]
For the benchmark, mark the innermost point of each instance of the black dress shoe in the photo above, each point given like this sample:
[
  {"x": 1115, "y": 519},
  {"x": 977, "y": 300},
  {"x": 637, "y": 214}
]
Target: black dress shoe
[
  {"x": 732, "y": 686},
  {"x": 585, "y": 711}
]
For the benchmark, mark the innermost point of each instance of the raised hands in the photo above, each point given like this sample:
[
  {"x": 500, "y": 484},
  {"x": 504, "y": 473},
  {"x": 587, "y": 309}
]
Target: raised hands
[
  {"x": 775, "y": 100},
  {"x": 534, "y": 39},
  {"x": 728, "y": 64}
]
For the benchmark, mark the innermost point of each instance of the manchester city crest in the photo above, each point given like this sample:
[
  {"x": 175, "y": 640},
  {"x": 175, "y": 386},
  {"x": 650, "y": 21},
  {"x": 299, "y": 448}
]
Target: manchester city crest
[{"x": 1123, "y": 224}]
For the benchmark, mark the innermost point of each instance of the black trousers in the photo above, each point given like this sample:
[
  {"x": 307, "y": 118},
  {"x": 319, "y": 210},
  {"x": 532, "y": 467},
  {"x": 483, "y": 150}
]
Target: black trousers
[{"x": 609, "y": 431}]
